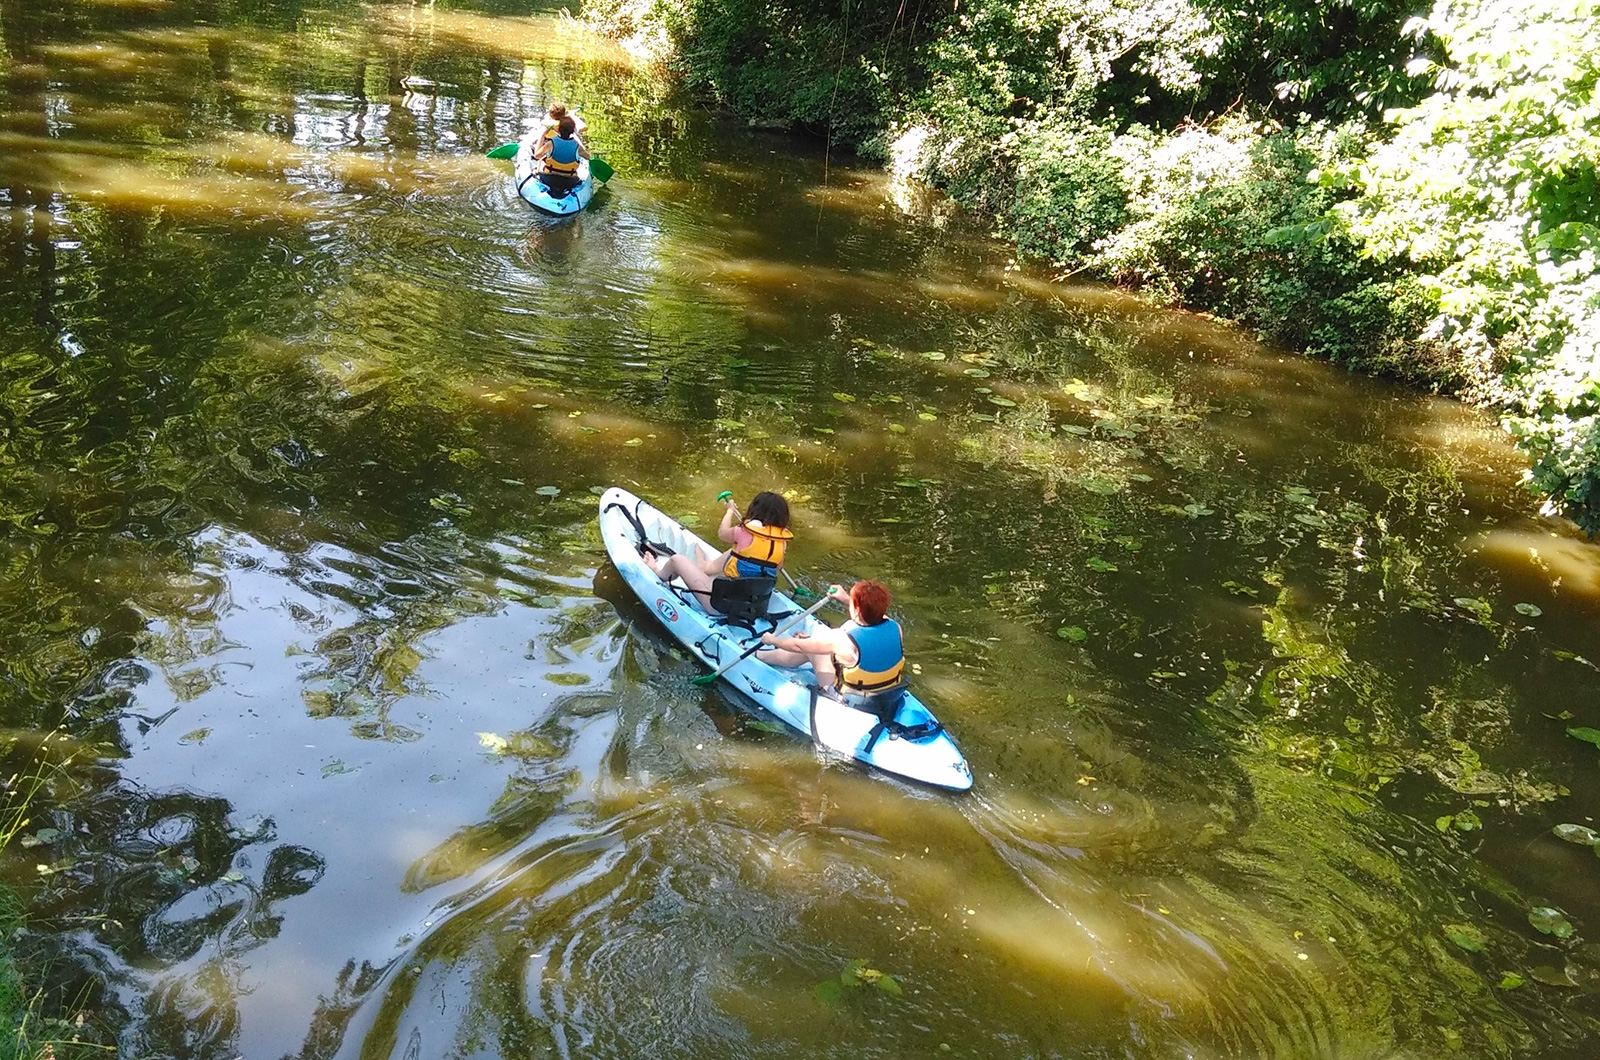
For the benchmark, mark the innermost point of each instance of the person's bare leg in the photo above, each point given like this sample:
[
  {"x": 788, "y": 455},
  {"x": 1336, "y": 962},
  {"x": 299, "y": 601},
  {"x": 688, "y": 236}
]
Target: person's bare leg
[
  {"x": 793, "y": 660},
  {"x": 685, "y": 570}
]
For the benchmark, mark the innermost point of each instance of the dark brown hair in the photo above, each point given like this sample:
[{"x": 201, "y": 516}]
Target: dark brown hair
[
  {"x": 770, "y": 508},
  {"x": 566, "y": 126}
]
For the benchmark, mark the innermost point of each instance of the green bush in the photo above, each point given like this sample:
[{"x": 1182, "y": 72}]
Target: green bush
[{"x": 1070, "y": 192}]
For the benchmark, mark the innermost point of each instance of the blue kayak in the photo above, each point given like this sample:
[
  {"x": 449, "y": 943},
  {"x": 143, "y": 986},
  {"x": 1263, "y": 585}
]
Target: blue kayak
[
  {"x": 910, "y": 744},
  {"x": 533, "y": 190}
]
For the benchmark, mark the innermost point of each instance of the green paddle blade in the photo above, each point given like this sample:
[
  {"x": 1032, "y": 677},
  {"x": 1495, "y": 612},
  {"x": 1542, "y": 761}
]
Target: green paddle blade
[
  {"x": 505, "y": 151},
  {"x": 600, "y": 170}
]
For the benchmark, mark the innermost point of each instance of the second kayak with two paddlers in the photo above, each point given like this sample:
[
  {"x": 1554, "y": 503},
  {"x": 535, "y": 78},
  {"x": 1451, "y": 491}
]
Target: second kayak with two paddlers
[{"x": 910, "y": 743}]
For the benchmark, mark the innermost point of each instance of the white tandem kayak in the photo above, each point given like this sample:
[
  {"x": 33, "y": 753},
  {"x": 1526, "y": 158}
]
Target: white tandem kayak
[{"x": 912, "y": 744}]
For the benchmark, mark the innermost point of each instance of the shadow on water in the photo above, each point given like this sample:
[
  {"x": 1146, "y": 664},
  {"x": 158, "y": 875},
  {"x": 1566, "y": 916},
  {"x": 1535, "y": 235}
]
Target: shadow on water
[{"x": 1266, "y": 673}]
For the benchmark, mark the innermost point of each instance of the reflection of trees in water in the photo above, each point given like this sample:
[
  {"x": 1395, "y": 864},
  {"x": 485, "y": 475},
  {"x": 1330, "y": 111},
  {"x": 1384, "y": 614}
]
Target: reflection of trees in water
[{"x": 163, "y": 893}]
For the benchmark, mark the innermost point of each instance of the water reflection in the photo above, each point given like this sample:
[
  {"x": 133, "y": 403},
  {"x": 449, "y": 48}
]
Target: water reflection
[{"x": 1265, "y": 672}]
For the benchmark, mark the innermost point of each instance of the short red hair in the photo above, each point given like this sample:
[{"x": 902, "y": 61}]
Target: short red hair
[{"x": 871, "y": 601}]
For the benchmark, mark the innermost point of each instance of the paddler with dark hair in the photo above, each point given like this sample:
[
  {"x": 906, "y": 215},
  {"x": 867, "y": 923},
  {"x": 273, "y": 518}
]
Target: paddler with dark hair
[
  {"x": 560, "y": 155},
  {"x": 759, "y": 538},
  {"x": 862, "y": 659}
]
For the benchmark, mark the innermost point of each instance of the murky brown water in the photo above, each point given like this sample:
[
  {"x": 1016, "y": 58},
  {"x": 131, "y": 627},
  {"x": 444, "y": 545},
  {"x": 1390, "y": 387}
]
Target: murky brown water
[{"x": 365, "y": 752}]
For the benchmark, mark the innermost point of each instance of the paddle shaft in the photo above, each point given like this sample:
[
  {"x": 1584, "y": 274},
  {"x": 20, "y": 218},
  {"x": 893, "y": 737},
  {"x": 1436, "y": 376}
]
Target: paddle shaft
[{"x": 780, "y": 631}]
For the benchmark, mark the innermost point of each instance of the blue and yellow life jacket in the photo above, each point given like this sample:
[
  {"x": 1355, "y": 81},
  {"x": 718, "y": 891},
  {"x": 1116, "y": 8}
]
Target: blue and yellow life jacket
[
  {"x": 762, "y": 556},
  {"x": 881, "y": 658},
  {"x": 563, "y": 156}
]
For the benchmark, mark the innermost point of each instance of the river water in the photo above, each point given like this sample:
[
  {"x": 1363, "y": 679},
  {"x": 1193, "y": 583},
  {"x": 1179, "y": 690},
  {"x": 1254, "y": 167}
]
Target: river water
[{"x": 354, "y": 745}]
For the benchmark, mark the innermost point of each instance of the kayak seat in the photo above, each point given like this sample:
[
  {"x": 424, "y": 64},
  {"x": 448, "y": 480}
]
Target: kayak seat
[
  {"x": 559, "y": 183},
  {"x": 917, "y": 725},
  {"x": 742, "y": 601}
]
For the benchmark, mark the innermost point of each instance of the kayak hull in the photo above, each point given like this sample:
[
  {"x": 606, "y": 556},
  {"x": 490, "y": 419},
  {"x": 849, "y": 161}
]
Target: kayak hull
[
  {"x": 533, "y": 191},
  {"x": 789, "y": 695}
]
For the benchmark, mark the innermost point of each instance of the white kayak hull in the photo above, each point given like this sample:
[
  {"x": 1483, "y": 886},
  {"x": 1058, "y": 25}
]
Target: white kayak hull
[
  {"x": 788, "y": 695},
  {"x": 533, "y": 191}
]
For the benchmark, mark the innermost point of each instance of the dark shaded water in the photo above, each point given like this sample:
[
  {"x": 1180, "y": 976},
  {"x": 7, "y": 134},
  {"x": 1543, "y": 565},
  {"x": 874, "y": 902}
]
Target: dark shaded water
[{"x": 1264, "y": 671}]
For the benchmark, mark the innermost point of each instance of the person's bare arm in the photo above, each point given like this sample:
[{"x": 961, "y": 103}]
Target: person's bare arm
[
  {"x": 729, "y": 519},
  {"x": 822, "y": 641}
]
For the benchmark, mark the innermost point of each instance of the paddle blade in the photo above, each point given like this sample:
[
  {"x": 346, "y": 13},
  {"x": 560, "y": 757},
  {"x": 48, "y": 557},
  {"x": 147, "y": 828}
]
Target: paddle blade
[
  {"x": 504, "y": 151},
  {"x": 704, "y": 679},
  {"x": 600, "y": 170}
]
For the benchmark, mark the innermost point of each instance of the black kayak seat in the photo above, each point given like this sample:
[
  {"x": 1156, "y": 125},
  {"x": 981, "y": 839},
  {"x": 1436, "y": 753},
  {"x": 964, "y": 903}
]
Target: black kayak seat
[
  {"x": 742, "y": 601},
  {"x": 559, "y": 183}
]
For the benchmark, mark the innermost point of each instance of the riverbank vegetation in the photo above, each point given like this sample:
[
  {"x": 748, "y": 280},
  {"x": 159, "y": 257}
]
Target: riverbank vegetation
[{"x": 1399, "y": 189}]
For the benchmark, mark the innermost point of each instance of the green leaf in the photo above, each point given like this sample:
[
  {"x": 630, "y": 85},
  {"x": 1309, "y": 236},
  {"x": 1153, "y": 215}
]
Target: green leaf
[
  {"x": 1098, "y": 564},
  {"x": 760, "y": 725},
  {"x": 1550, "y": 921},
  {"x": 841, "y": 396},
  {"x": 851, "y": 975},
  {"x": 1467, "y": 821},
  {"x": 829, "y": 992},
  {"x": 929, "y": 416},
  {"x": 1586, "y": 734},
  {"x": 1531, "y": 610},
  {"x": 1577, "y": 833},
  {"x": 1076, "y": 634},
  {"x": 888, "y": 985},
  {"x": 548, "y": 491},
  {"x": 194, "y": 736},
  {"x": 1511, "y": 980},
  {"x": 1467, "y": 937},
  {"x": 895, "y": 428},
  {"x": 1443, "y": 823},
  {"x": 933, "y": 355},
  {"x": 976, "y": 373},
  {"x": 1003, "y": 402},
  {"x": 337, "y": 767}
]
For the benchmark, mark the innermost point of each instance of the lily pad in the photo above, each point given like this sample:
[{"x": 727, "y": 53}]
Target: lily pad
[
  {"x": 930, "y": 417},
  {"x": 1098, "y": 564},
  {"x": 634, "y": 441},
  {"x": 933, "y": 355},
  {"x": 1585, "y": 733},
  {"x": 1467, "y": 937},
  {"x": 840, "y": 395},
  {"x": 1510, "y": 981},
  {"x": 195, "y": 736},
  {"x": 896, "y": 428},
  {"x": 976, "y": 373},
  {"x": 548, "y": 491},
  {"x": 1531, "y": 610},
  {"x": 1550, "y": 921},
  {"x": 1577, "y": 833},
  {"x": 1076, "y": 634}
]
